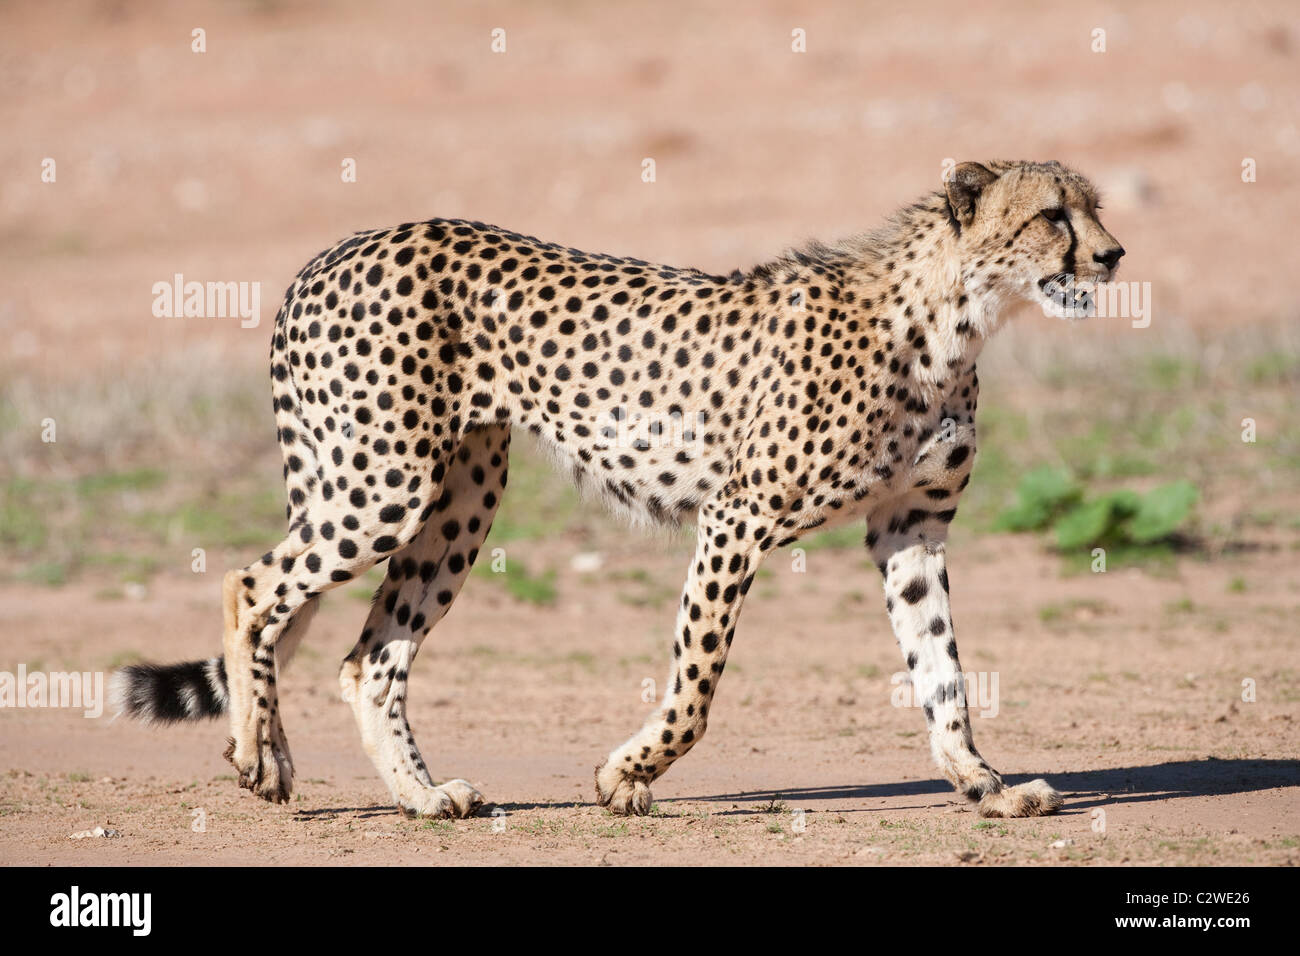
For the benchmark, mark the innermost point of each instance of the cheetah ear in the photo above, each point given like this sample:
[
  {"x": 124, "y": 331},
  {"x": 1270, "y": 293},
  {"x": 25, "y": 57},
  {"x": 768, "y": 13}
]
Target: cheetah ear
[{"x": 964, "y": 185}]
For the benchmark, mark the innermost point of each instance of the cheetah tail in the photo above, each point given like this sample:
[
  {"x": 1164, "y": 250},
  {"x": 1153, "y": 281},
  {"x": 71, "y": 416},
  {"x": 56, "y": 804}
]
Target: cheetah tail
[{"x": 169, "y": 693}]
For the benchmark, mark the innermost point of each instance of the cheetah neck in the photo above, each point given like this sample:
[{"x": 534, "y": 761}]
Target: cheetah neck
[{"x": 912, "y": 280}]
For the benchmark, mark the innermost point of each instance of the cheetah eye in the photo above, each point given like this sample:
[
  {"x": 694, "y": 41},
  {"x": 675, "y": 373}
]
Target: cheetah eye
[{"x": 1053, "y": 214}]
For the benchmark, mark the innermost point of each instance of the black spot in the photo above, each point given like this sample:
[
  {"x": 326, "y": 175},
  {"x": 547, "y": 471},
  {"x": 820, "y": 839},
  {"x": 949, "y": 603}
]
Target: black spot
[{"x": 916, "y": 590}]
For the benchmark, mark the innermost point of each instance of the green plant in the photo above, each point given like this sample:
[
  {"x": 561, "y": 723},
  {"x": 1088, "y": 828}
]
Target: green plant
[
  {"x": 1042, "y": 495},
  {"x": 1092, "y": 522},
  {"x": 1162, "y": 511},
  {"x": 1051, "y": 498}
]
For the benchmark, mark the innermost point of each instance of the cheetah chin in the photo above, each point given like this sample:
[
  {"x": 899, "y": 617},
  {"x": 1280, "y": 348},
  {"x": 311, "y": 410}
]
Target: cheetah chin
[{"x": 1064, "y": 297}]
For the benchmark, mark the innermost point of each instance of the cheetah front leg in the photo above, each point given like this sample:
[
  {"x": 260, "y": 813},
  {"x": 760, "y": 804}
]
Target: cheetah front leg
[
  {"x": 916, "y": 597},
  {"x": 727, "y": 555}
]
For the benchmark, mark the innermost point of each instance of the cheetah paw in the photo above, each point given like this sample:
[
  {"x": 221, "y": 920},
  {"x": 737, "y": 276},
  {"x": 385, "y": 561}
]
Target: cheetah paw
[
  {"x": 622, "y": 794},
  {"x": 268, "y": 774},
  {"x": 1033, "y": 799},
  {"x": 455, "y": 798}
]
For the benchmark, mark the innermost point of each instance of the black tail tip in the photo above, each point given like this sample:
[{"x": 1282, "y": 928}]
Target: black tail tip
[{"x": 170, "y": 693}]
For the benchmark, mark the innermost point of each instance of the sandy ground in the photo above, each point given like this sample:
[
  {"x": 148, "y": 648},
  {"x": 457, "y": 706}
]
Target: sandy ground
[
  {"x": 1123, "y": 689},
  {"x": 1122, "y": 696}
]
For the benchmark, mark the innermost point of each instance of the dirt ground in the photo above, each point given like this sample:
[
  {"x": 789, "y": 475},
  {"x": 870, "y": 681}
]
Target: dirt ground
[
  {"x": 1120, "y": 696},
  {"x": 1123, "y": 689}
]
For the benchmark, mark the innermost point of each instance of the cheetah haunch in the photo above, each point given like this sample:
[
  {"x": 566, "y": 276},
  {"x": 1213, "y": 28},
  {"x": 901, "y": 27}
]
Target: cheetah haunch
[{"x": 834, "y": 384}]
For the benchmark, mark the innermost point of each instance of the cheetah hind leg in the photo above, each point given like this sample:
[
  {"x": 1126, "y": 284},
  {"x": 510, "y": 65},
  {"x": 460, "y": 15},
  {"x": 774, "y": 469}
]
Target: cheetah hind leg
[
  {"x": 273, "y": 778},
  {"x": 257, "y": 747},
  {"x": 422, "y": 582},
  {"x": 265, "y": 603}
]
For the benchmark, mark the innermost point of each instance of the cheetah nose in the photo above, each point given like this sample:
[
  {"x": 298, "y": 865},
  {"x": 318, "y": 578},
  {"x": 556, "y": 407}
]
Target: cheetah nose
[{"x": 1109, "y": 258}]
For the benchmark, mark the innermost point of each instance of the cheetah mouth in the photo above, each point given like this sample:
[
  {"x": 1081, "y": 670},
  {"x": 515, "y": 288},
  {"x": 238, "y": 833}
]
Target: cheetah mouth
[{"x": 1065, "y": 296}]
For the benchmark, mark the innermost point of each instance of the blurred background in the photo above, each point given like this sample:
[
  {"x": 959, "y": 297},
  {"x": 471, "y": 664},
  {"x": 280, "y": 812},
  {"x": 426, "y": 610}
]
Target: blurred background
[
  {"x": 228, "y": 165},
  {"x": 230, "y": 142}
]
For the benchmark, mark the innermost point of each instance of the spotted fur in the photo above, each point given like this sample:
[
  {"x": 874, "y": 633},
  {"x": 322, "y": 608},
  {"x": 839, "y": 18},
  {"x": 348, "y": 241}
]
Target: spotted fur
[{"x": 834, "y": 384}]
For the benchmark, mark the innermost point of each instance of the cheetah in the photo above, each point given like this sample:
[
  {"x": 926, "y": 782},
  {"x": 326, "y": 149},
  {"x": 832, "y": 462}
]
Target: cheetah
[{"x": 836, "y": 383}]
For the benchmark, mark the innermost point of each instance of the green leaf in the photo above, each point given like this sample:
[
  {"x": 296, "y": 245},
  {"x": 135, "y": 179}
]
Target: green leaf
[
  {"x": 1041, "y": 495},
  {"x": 1162, "y": 511},
  {"x": 1085, "y": 524},
  {"x": 1123, "y": 503}
]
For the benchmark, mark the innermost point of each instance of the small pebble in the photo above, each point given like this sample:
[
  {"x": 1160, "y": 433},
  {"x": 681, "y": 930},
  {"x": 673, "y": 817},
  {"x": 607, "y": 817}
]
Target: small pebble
[{"x": 97, "y": 832}]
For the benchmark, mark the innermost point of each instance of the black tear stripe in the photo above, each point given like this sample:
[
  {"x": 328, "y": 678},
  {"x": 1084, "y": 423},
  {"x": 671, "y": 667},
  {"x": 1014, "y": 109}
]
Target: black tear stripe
[{"x": 1067, "y": 265}]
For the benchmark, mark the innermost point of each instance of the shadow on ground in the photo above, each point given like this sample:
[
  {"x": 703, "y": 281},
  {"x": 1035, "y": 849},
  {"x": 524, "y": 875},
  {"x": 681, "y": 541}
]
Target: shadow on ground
[{"x": 1083, "y": 790}]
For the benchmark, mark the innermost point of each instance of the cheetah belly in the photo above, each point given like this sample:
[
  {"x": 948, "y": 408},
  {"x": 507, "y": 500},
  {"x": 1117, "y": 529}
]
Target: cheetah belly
[{"x": 671, "y": 473}]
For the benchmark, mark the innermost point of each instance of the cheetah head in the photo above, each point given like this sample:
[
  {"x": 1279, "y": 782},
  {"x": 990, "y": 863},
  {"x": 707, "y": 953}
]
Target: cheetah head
[{"x": 1030, "y": 231}]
